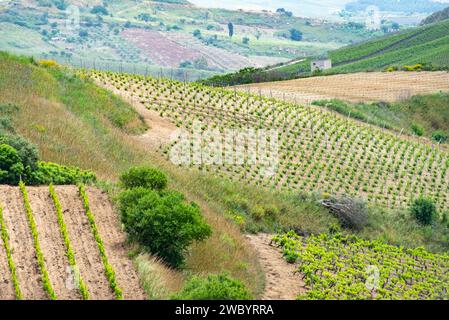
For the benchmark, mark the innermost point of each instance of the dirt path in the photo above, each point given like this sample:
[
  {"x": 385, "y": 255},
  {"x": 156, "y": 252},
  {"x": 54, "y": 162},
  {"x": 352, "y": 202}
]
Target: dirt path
[
  {"x": 83, "y": 242},
  {"x": 160, "y": 131},
  {"x": 281, "y": 283},
  {"x": 21, "y": 242},
  {"x": 51, "y": 242},
  {"x": 114, "y": 240}
]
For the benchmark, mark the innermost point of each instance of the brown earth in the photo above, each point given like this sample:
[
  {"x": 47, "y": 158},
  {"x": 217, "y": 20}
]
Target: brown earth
[
  {"x": 21, "y": 243},
  {"x": 53, "y": 248},
  {"x": 281, "y": 281},
  {"x": 355, "y": 87},
  {"x": 51, "y": 242},
  {"x": 6, "y": 284},
  {"x": 114, "y": 240}
]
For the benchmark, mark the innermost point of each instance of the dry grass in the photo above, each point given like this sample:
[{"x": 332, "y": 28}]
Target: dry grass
[{"x": 158, "y": 280}]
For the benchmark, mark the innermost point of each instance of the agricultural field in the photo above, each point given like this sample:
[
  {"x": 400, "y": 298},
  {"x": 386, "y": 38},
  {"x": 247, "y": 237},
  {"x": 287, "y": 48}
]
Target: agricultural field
[
  {"x": 426, "y": 46},
  {"x": 349, "y": 268},
  {"x": 63, "y": 242},
  {"x": 318, "y": 151},
  {"x": 355, "y": 87}
]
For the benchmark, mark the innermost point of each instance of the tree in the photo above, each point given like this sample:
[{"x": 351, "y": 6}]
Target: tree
[
  {"x": 83, "y": 34},
  {"x": 163, "y": 222},
  {"x": 295, "y": 34},
  {"x": 231, "y": 29},
  {"x": 99, "y": 10},
  {"x": 197, "y": 33},
  {"x": 258, "y": 34},
  {"x": 245, "y": 40}
]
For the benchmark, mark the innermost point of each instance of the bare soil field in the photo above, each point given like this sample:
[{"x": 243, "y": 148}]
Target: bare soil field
[
  {"x": 53, "y": 248},
  {"x": 159, "y": 49},
  {"x": 220, "y": 58},
  {"x": 355, "y": 87}
]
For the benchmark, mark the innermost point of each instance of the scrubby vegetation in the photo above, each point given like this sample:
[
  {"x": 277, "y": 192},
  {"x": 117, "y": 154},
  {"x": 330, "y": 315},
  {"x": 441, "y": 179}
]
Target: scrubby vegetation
[
  {"x": 213, "y": 287},
  {"x": 424, "y": 210},
  {"x": 19, "y": 162}
]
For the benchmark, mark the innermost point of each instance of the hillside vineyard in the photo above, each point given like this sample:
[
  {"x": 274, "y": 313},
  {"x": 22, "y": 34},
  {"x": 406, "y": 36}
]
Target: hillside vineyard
[{"x": 319, "y": 151}]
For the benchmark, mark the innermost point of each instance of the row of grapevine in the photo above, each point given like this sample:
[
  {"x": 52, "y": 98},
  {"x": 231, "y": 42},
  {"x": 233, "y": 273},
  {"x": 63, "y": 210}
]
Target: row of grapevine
[
  {"x": 12, "y": 267},
  {"x": 319, "y": 151},
  {"x": 109, "y": 271},
  {"x": 40, "y": 256},
  {"x": 348, "y": 267},
  {"x": 65, "y": 235}
]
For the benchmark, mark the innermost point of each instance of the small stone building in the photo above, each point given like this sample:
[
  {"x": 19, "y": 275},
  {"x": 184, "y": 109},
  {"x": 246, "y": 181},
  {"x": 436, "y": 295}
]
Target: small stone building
[{"x": 320, "y": 65}]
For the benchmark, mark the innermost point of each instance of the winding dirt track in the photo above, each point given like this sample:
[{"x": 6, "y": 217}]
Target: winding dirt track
[
  {"x": 53, "y": 248},
  {"x": 281, "y": 281}
]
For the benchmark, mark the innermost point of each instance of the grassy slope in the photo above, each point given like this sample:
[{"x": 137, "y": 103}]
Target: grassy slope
[
  {"x": 428, "y": 111},
  {"x": 68, "y": 118},
  {"x": 77, "y": 130}
]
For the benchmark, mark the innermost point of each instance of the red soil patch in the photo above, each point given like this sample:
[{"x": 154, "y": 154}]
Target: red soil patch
[{"x": 159, "y": 49}]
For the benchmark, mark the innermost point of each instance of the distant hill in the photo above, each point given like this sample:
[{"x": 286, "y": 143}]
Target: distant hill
[
  {"x": 427, "y": 45},
  {"x": 437, "y": 16}
]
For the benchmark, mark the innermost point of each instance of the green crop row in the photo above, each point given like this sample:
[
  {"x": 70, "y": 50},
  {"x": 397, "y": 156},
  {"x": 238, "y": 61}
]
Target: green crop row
[
  {"x": 12, "y": 267},
  {"x": 70, "y": 255},
  {"x": 40, "y": 256},
  {"x": 110, "y": 274}
]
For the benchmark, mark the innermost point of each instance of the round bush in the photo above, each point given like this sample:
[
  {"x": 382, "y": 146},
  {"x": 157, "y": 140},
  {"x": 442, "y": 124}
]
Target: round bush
[
  {"x": 214, "y": 287},
  {"x": 162, "y": 222},
  {"x": 423, "y": 210},
  {"x": 11, "y": 167},
  {"x": 144, "y": 177}
]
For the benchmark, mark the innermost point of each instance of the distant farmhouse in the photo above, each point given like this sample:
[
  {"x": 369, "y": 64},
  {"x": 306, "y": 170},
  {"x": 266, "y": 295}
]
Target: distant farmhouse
[{"x": 320, "y": 65}]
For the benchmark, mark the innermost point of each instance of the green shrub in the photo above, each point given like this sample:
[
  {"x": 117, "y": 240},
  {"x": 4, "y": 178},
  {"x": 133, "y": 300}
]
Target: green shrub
[
  {"x": 27, "y": 151},
  {"x": 11, "y": 167},
  {"x": 144, "y": 177},
  {"x": 162, "y": 222},
  {"x": 214, "y": 287},
  {"x": 424, "y": 211},
  {"x": 418, "y": 130},
  {"x": 47, "y": 172},
  {"x": 440, "y": 136}
]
